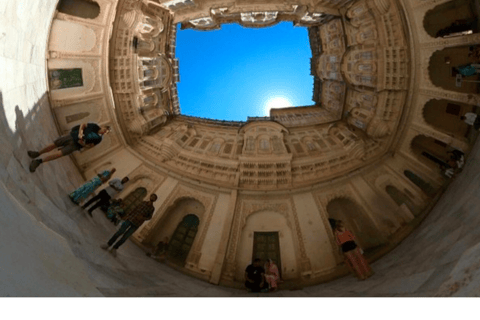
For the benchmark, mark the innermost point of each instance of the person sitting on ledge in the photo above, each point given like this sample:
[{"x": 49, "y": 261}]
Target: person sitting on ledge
[
  {"x": 160, "y": 250},
  {"x": 255, "y": 277},
  {"x": 471, "y": 119},
  {"x": 116, "y": 210},
  {"x": 133, "y": 220},
  {"x": 104, "y": 196},
  {"x": 82, "y": 136},
  {"x": 272, "y": 275}
]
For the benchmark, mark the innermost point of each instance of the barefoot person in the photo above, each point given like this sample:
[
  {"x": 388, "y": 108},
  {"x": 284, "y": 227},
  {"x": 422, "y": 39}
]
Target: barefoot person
[
  {"x": 133, "y": 220},
  {"x": 82, "y": 136},
  {"x": 104, "y": 196}
]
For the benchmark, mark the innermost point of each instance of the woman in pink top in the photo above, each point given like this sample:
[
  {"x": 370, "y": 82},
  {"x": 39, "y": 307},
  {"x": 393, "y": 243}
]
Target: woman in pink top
[
  {"x": 353, "y": 257},
  {"x": 272, "y": 276}
]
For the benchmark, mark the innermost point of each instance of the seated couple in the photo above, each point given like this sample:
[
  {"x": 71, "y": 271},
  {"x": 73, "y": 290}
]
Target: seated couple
[{"x": 259, "y": 279}]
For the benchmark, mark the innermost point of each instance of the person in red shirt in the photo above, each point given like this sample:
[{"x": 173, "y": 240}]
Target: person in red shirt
[{"x": 353, "y": 256}]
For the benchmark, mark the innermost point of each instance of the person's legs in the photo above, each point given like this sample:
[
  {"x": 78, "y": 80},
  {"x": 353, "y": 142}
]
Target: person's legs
[
  {"x": 53, "y": 156},
  {"x": 36, "y": 154},
  {"x": 48, "y": 148},
  {"x": 132, "y": 228},
  {"x": 364, "y": 265},
  {"x": 120, "y": 231},
  {"x": 354, "y": 264},
  {"x": 104, "y": 199},
  {"x": 66, "y": 146},
  {"x": 253, "y": 287},
  {"x": 94, "y": 199}
]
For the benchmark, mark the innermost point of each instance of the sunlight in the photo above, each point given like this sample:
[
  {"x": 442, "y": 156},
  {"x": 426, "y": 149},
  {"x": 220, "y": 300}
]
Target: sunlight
[{"x": 276, "y": 103}]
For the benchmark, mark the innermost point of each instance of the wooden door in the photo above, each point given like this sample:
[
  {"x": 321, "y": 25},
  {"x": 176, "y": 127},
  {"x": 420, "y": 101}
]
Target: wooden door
[
  {"x": 182, "y": 239},
  {"x": 266, "y": 246}
]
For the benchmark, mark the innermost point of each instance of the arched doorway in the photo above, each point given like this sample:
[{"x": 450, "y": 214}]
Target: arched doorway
[
  {"x": 86, "y": 9},
  {"x": 134, "y": 198},
  {"x": 182, "y": 239},
  {"x": 401, "y": 198},
  {"x": 445, "y": 115},
  {"x": 267, "y": 235},
  {"x": 168, "y": 223},
  {"x": 356, "y": 220},
  {"x": 419, "y": 182},
  {"x": 447, "y": 66},
  {"x": 453, "y": 18},
  {"x": 431, "y": 151}
]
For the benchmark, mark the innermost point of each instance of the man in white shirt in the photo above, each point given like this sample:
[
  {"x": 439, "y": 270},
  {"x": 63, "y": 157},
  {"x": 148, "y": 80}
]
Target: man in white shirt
[
  {"x": 104, "y": 196},
  {"x": 472, "y": 119}
]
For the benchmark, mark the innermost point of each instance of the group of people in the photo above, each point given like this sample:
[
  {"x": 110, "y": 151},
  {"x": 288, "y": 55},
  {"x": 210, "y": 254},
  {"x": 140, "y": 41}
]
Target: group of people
[
  {"x": 454, "y": 164},
  {"x": 262, "y": 279},
  {"x": 84, "y": 136},
  {"x": 265, "y": 279},
  {"x": 257, "y": 278}
]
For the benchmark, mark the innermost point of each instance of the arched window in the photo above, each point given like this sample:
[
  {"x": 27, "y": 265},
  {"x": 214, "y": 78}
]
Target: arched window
[
  {"x": 401, "y": 198},
  {"x": 86, "y": 9},
  {"x": 215, "y": 147},
  {"x": 182, "y": 239},
  {"x": 419, "y": 182},
  {"x": 455, "y": 68},
  {"x": 310, "y": 145},
  {"x": 277, "y": 144},
  {"x": 250, "y": 144},
  {"x": 430, "y": 151},
  {"x": 453, "y": 18},
  {"x": 445, "y": 115},
  {"x": 134, "y": 198}
]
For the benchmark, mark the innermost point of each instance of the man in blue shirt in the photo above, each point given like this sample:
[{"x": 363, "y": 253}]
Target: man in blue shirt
[{"x": 82, "y": 136}]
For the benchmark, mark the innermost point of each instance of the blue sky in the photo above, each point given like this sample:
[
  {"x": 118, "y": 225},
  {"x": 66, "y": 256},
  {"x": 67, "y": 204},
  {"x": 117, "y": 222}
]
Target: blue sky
[{"x": 235, "y": 72}]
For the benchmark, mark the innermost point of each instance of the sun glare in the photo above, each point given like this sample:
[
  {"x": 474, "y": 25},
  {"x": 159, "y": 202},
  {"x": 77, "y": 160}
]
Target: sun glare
[{"x": 276, "y": 103}]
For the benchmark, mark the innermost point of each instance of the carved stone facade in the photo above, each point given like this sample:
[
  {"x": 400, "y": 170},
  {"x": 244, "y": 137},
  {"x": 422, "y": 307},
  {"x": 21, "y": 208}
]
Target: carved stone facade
[{"x": 353, "y": 155}]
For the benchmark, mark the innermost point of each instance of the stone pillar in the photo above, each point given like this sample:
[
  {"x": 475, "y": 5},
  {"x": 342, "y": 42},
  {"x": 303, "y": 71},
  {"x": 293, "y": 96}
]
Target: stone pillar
[{"x": 222, "y": 250}]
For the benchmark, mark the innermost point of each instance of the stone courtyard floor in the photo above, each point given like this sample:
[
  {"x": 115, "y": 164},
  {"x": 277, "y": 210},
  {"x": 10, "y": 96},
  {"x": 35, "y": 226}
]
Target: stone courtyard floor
[{"x": 50, "y": 247}]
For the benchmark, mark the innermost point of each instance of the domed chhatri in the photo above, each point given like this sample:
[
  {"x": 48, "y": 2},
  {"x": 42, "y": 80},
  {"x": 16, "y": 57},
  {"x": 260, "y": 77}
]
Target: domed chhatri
[{"x": 371, "y": 151}]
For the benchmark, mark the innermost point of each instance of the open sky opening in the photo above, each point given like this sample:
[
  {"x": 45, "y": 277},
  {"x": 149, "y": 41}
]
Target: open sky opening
[{"x": 237, "y": 72}]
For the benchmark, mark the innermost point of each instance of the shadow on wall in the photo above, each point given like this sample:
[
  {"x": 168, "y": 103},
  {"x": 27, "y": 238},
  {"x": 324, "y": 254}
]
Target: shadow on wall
[{"x": 50, "y": 184}]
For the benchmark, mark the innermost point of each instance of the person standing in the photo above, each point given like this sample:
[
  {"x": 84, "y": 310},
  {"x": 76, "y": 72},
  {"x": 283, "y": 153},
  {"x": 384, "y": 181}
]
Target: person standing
[
  {"x": 353, "y": 257},
  {"x": 90, "y": 186},
  {"x": 471, "y": 119},
  {"x": 104, "y": 196},
  {"x": 255, "y": 276},
  {"x": 133, "y": 220},
  {"x": 82, "y": 136}
]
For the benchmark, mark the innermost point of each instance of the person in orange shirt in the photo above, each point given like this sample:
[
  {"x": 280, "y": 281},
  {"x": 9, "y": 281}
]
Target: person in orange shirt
[{"x": 353, "y": 257}]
